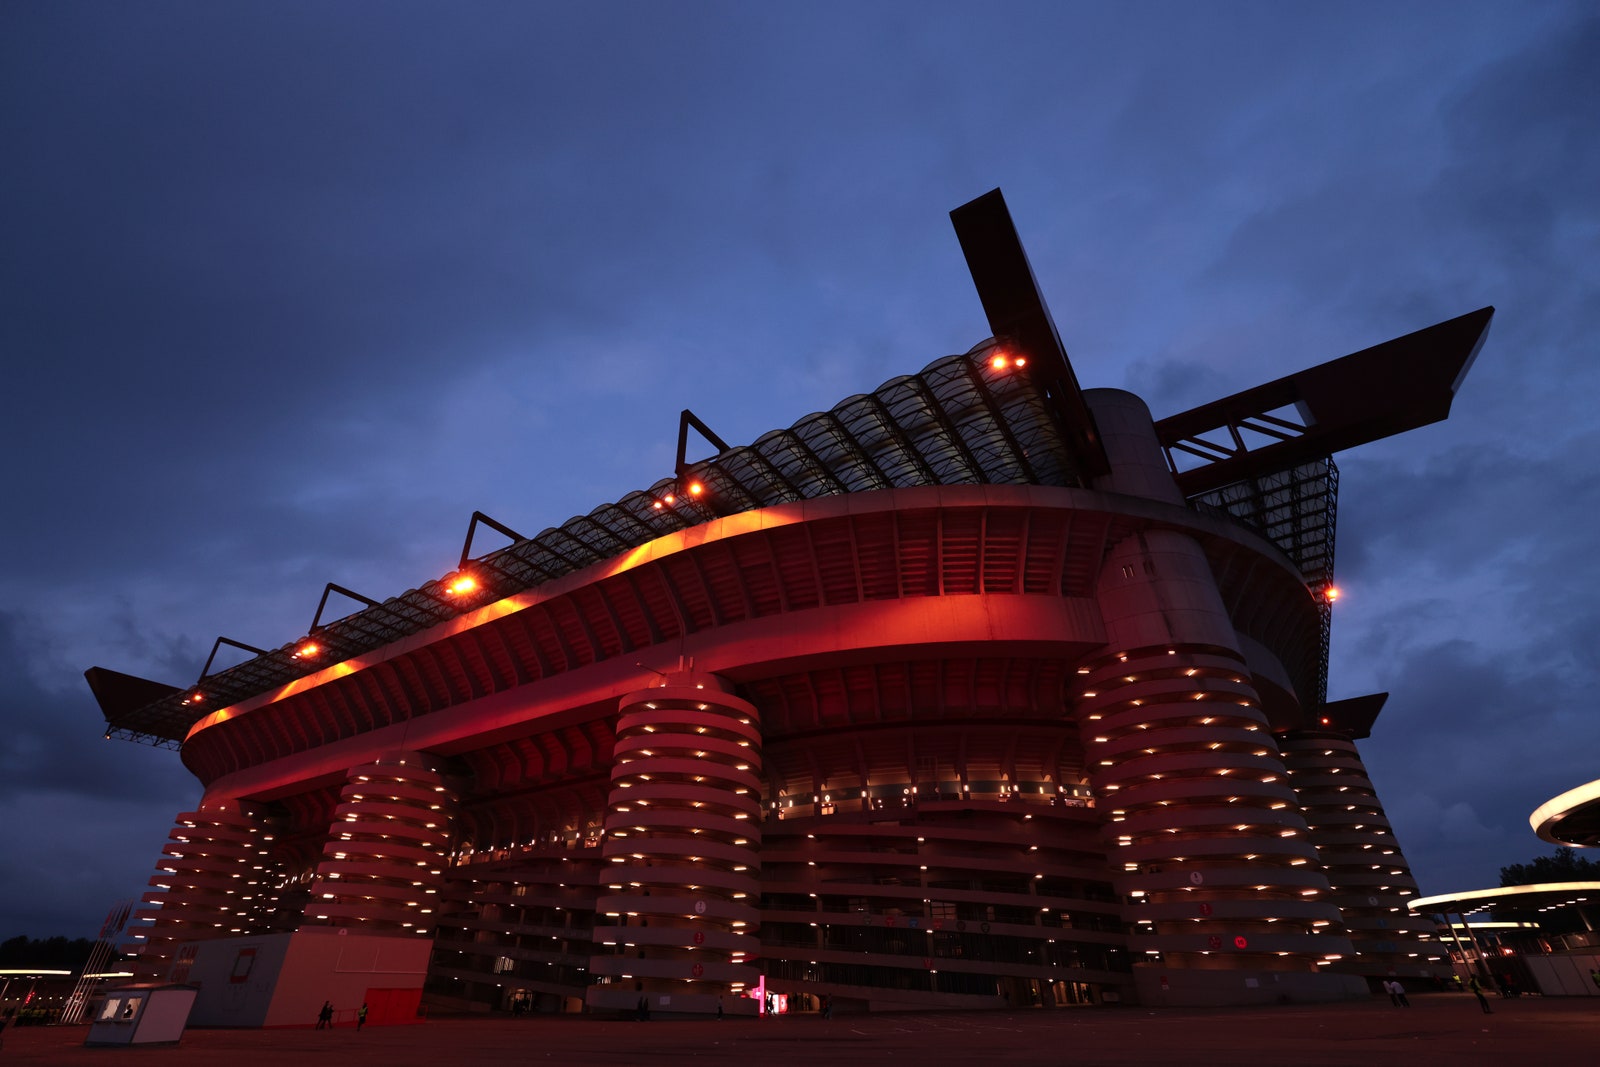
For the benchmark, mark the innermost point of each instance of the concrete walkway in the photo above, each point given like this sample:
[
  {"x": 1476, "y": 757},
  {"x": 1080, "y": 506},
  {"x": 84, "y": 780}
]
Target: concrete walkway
[{"x": 1438, "y": 1028}]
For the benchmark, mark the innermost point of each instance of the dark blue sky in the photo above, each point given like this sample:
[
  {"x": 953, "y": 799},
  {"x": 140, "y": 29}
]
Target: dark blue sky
[{"x": 288, "y": 290}]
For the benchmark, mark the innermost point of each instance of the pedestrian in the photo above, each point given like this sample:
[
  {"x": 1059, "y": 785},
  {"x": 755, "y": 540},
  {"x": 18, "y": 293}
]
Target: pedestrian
[
  {"x": 1594, "y": 976},
  {"x": 827, "y": 1006},
  {"x": 1399, "y": 993},
  {"x": 1388, "y": 987},
  {"x": 1477, "y": 991},
  {"x": 361, "y": 1017},
  {"x": 325, "y": 1016},
  {"x": 719, "y": 1009}
]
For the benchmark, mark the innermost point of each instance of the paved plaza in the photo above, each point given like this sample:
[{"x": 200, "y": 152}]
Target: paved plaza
[{"x": 1438, "y": 1028}]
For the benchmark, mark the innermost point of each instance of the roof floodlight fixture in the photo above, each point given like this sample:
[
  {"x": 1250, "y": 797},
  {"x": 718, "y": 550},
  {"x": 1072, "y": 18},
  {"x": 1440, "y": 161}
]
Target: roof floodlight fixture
[
  {"x": 197, "y": 695},
  {"x": 1005, "y": 357},
  {"x": 687, "y": 419},
  {"x": 686, "y": 488},
  {"x": 461, "y": 583},
  {"x": 316, "y": 620},
  {"x": 205, "y": 671},
  {"x": 472, "y": 528},
  {"x": 464, "y": 580}
]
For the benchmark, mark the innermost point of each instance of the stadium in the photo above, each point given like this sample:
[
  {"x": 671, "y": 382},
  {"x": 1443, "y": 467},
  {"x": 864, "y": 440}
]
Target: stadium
[{"x": 979, "y": 690}]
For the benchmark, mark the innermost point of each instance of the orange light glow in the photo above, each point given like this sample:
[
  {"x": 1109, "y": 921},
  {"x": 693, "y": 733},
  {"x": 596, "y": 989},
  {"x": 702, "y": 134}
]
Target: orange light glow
[
  {"x": 307, "y": 649},
  {"x": 999, "y": 361},
  {"x": 695, "y": 488},
  {"x": 1324, "y": 720},
  {"x": 1022, "y": 361},
  {"x": 658, "y": 505},
  {"x": 670, "y": 499},
  {"x": 1332, "y": 593},
  {"x": 463, "y": 584}
]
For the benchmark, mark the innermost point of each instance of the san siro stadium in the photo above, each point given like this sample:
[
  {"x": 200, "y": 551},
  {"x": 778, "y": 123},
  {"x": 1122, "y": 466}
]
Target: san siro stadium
[{"x": 980, "y": 690}]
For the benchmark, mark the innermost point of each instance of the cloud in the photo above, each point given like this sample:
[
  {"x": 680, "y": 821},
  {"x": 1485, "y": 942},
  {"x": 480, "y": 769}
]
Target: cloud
[
  {"x": 47, "y": 725},
  {"x": 1473, "y": 738},
  {"x": 85, "y": 818},
  {"x": 71, "y": 856},
  {"x": 291, "y": 292}
]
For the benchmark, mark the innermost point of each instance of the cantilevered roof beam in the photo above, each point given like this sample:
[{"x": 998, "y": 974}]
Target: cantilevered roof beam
[
  {"x": 120, "y": 695},
  {"x": 1353, "y": 715},
  {"x": 1375, "y": 393},
  {"x": 1017, "y": 314}
]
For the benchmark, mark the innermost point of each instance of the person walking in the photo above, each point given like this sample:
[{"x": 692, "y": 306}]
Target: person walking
[
  {"x": 719, "y": 1009},
  {"x": 1477, "y": 991},
  {"x": 1398, "y": 993},
  {"x": 325, "y": 1016},
  {"x": 361, "y": 1017}
]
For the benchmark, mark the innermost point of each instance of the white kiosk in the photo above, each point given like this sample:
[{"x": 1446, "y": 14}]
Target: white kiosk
[{"x": 140, "y": 1015}]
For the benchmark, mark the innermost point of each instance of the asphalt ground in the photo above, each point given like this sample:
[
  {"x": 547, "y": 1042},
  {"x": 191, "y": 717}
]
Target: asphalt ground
[{"x": 1438, "y": 1028}]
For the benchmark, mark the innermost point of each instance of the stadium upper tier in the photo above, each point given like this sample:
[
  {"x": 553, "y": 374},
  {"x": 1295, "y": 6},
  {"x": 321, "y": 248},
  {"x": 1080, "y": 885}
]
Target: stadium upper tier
[{"x": 1007, "y": 412}]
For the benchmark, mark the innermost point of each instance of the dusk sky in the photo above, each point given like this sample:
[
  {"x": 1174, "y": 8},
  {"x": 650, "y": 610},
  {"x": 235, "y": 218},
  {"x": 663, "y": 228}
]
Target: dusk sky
[{"x": 288, "y": 290}]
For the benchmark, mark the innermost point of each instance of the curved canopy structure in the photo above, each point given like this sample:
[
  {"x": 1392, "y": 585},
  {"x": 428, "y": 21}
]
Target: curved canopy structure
[
  {"x": 1571, "y": 818},
  {"x": 1510, "y": 899}
]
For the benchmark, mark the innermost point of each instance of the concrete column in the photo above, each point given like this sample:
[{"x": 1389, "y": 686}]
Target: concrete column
[
  {"x": 1371, "y": 881},
  {"x": 207, "y": 884},
  {"x": 677, "y": 919},
  {"x": 1215, "y": 856},
  {"x": 387, "y": 848},
  {"x": 1138, "y": 466},
  {"x": 1216, "y": 866}
]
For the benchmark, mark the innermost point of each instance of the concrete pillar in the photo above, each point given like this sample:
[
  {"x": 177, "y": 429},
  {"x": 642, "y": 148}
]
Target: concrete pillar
[
  {"x": 1216, "y": 865},
  {"x": 387, "y": 848},
  {"x": 207, "y": 884},
  {"x": 1138, "y": 466},
  {"x": 1371, "y": 881},
  {"x": 677, "y": 919}
]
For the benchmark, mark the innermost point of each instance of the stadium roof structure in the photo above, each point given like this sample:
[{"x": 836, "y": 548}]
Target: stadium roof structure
[
  {"x": 1570, "y": 818},
  {"x": 1515, "y": 899},
  {"x": 1261, "y": 456}
]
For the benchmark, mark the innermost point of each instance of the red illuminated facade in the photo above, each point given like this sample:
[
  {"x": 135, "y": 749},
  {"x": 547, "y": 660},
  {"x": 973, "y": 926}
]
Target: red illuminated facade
[{"x": 971, "y": 692}]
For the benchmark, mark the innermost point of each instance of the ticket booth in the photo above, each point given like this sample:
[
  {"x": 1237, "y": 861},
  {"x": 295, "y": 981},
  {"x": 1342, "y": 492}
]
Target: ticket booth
[{"x": 140, "y": 1015}]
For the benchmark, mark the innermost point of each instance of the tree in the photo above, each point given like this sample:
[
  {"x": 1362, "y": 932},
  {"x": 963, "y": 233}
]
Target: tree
[{"x": 1564, "y": 866}]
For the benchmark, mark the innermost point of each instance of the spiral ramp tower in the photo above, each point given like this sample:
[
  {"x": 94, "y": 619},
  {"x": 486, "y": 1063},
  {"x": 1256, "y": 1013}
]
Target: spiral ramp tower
[
  {"x": 211, "y": 874},
  {"x": 677, "y": 914},
  {"x": 384, "y": 861},
  {"x": 1370, "y": 880}
]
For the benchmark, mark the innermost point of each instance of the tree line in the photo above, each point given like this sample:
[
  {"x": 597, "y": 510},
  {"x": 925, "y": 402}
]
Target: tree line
[
  {"x": 1565, "y": 866},
  {"x": 46, "y": 954}
]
